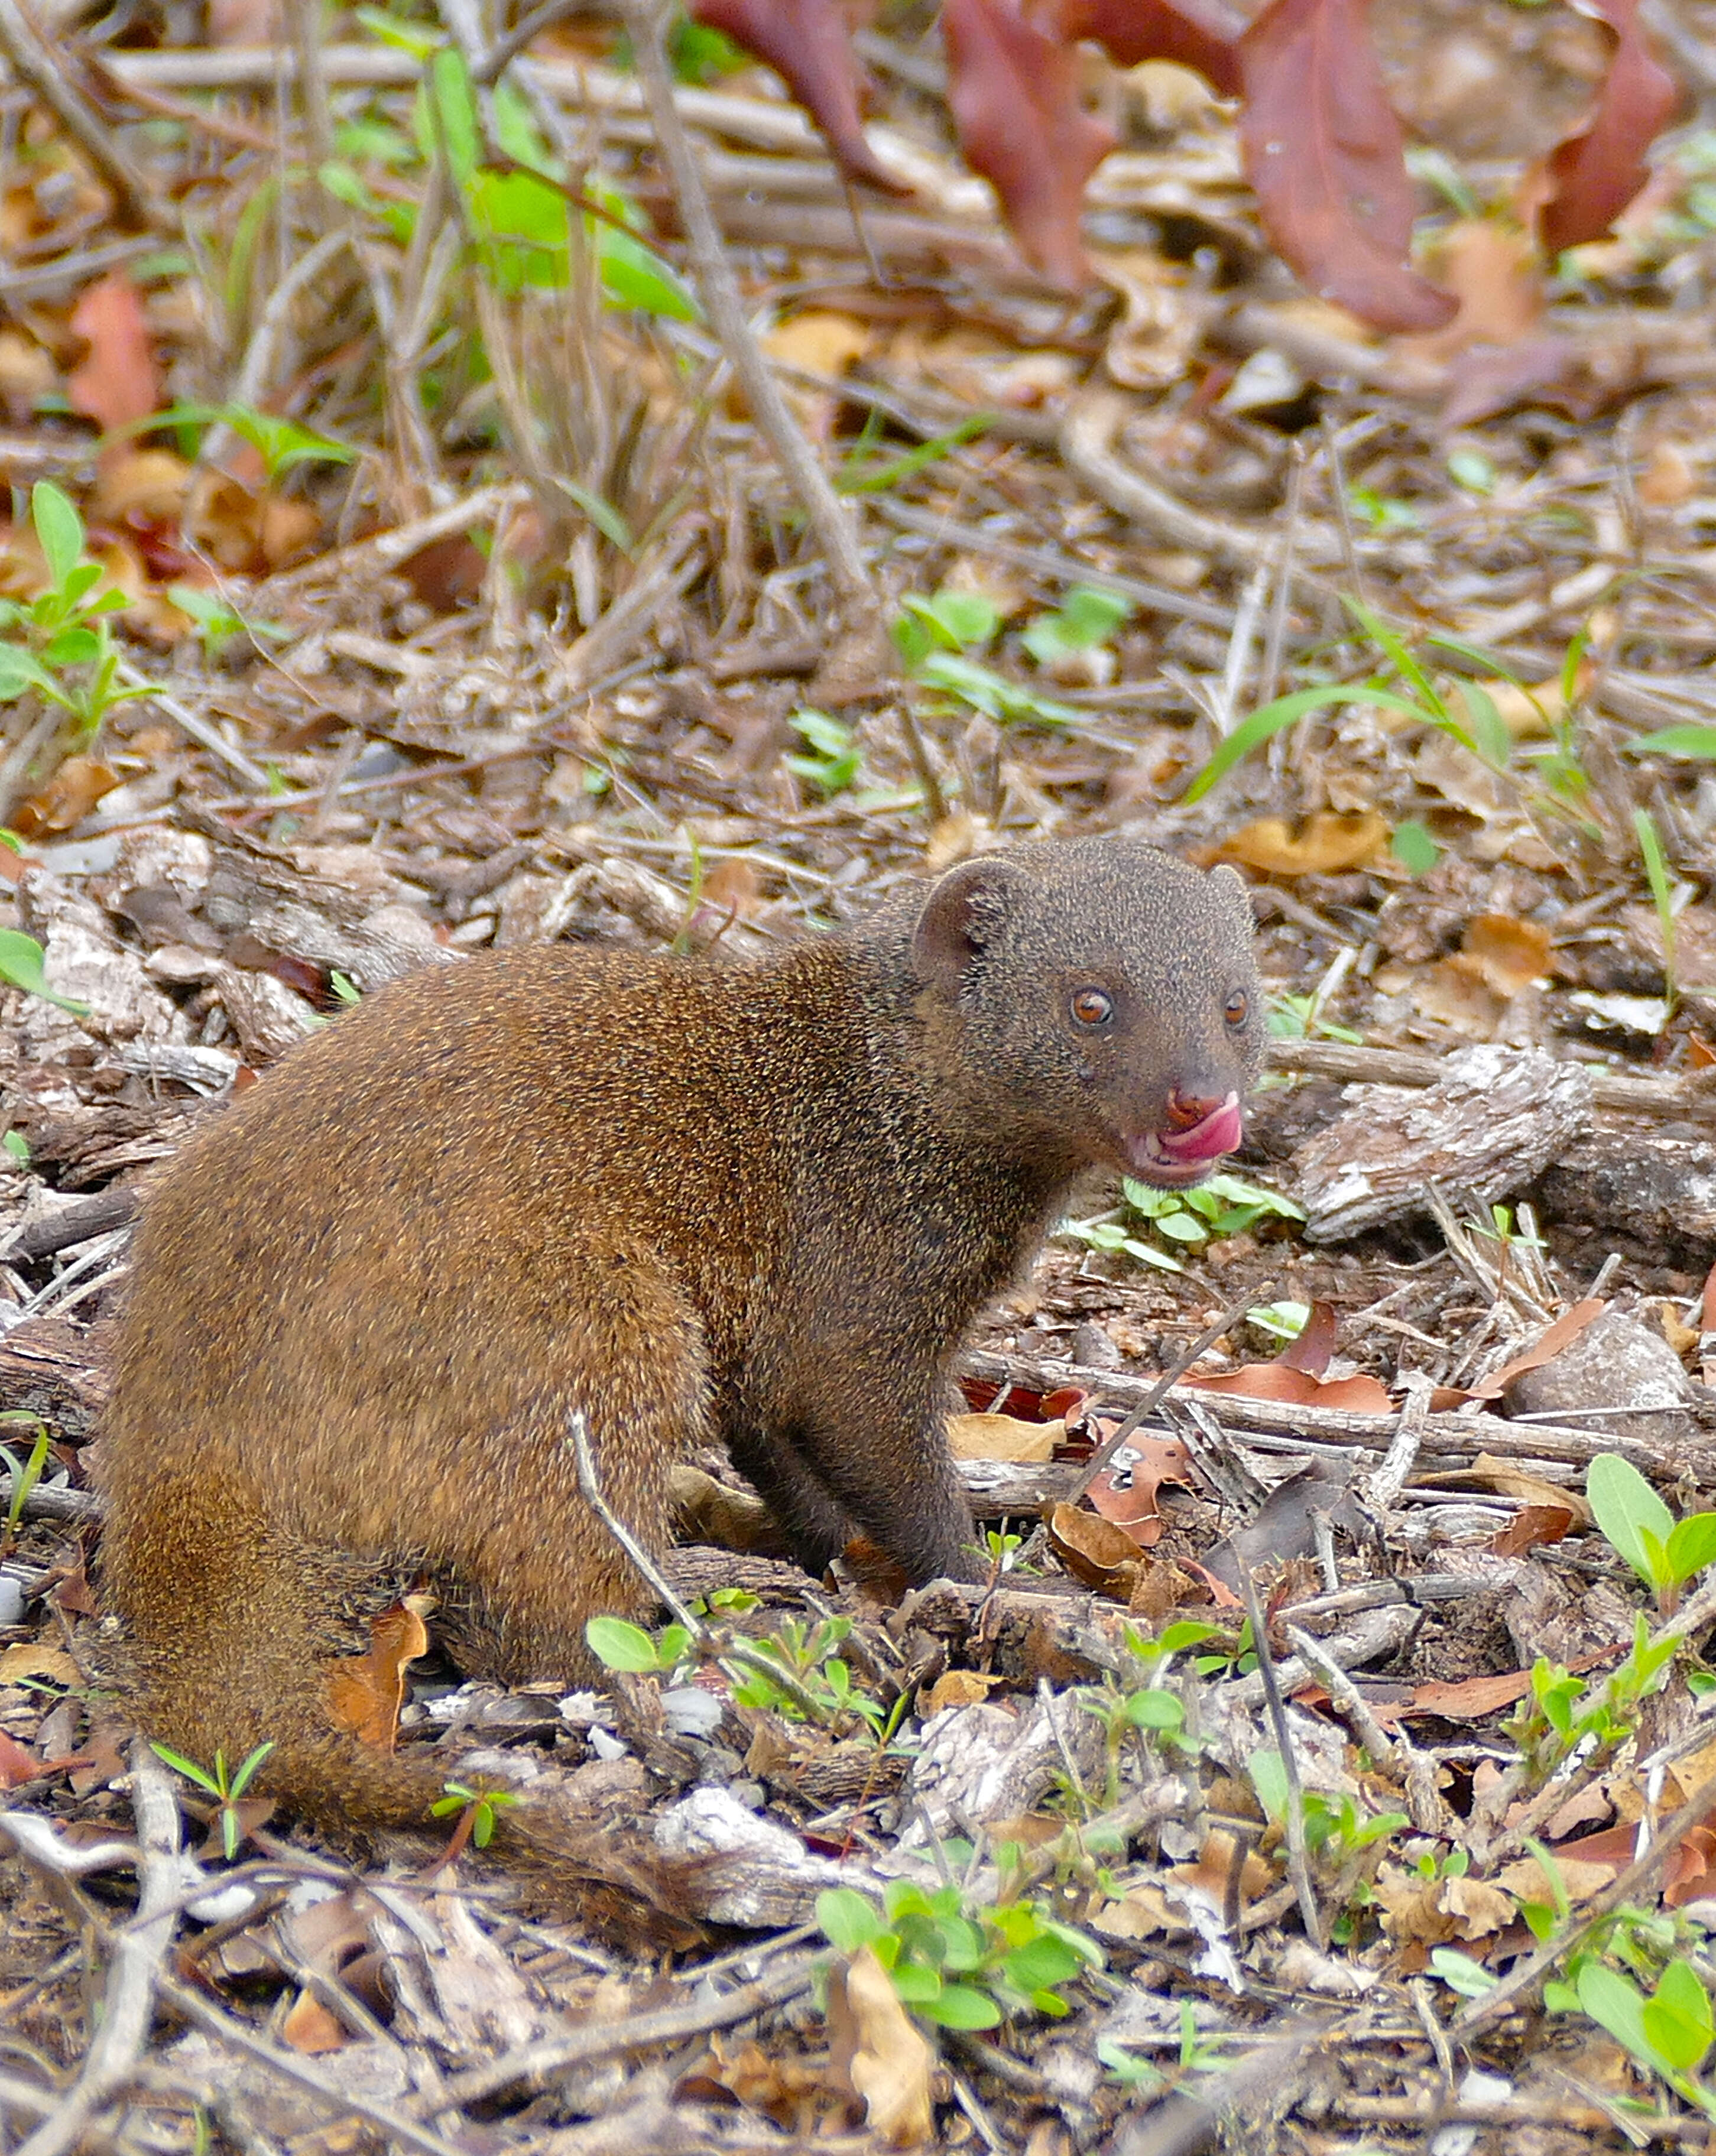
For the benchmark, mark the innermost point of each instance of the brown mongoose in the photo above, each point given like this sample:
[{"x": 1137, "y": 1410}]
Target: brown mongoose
[{"x": 755, "y": 1202}]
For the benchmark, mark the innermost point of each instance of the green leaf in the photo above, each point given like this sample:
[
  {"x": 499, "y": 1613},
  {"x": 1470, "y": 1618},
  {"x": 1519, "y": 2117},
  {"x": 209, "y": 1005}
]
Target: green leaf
[
  {"x": 1676, "y": 2018},
  {"x": 632, "y": 276},
  {"x": 849, "y": 1920},
  {"x": 1252, "y": 733},
  {"x": 618, "y": 1645},
  {"x": 1043, "y": 1963},
  {"x": 1460, "y": 1973},
  {"x": 1692, "y": 1546},
  {"x": 1268, "y": 1773},
  {"x": 916, "y": 1985},
  {"x": 454, "y": 106},
  {"x": 20, "y": 673},
  {"x": 1675, "y": 741},
  {"x": 75, "y": 646},
  {"x": 59, "y": 528},
  {"x": 1489, "y": 729},
  {"x": 1155, "y": 1709},
  {"x": 960, "y": 2007},
  {"x": 1414, "y": 848},
  {"x": 21, "y": 963},
  {"x": 1614, "y": 2002},
  {"x": 1624, "y": 1503}
]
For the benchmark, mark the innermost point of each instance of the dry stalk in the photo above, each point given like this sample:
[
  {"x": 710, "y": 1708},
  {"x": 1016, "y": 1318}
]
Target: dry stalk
[
  {"x": 137, "y": 205},
  {"x": 830, "y": 519}
]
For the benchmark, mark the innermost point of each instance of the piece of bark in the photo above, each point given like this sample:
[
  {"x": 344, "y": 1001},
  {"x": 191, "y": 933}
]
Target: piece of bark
[
  {"x": 1491, "y": 1123},
  {"x": 1653, "y": 1189}
]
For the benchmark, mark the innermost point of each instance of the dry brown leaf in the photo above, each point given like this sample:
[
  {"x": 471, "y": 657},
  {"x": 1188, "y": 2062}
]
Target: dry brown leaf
[
  {"x": 1493, "y": 272},
  {"x": 1328, "y": 842},
  {"x": 116, "y": 383},
  {"x": 310, "y": 2030},
  {"x": 1094, "y": 1550},
  {"x": 1280, "y": 1381},
  {"x": 77, "y": 783},
  {"x": 366, "y": 1691},
  {"x": 135, "y": 486},
  {"x": 1508, "y": 954},
  {"x": 1003, "y": 1437},
  {"x": 17, "y": 1766},
  {"x": 1132, "y": 1506},
  {"x": 1528, "y": 1882},
  {"x": 1669, "y": 477},
  {"x": 27, "y": 1660},
  {"x": 248, "y": 533},
  {"x": 820, "y": 341},
  {"x": 1530, "y": 1528},
  {"x": 709, "y": 1512},
  {"x": 876, "y": 2052},
  {"x": 1433, "y": 1911},
  {"x": 957, "y": 1688}
]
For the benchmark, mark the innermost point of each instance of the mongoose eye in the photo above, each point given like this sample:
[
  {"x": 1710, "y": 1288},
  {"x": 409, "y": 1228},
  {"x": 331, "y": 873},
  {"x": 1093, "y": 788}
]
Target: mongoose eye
[
  {"x": 1092, "y": 1006},
  {"x": 1237, "y": 1009}
]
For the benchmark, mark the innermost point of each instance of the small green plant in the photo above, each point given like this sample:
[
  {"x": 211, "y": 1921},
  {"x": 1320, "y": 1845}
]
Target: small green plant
[
  {"x": 806, "y": 1654},
  {"x": 630, "y": 1649},
  {"x": 1223, "y": 1205},
  {"x": 860, "y": 473},
  {"x": 1199, "y": 2054},
  {"x": 1085, "y": 618},
  {"x": 21, "y": 960},
  {"x": 479, "y": 1810},
  {"x": 219, "y": 624},
  {"x": 832, "y": 759},
  {"x": 59, "y": 648},
  {"x": 27, "y": 1474},
  {"x": 960, "y": 1965},
  {"x": 1663, "y": 897},
  {"x": 1300, "y": 1017},
  {"x": 18, "y": 1146},
  {"x": 226, "y": 1789},
  {"x": 283, "y": 445},
  {"x": 1664, "y": 1552},
  {"x": 1385, "y": 514},
  {"x": 1151, "y": 1713},
  {"x": 935, "y": 637},
  {"x": 1660, "y": 2012},
  {"x": 1227, "y": 1653},
  {"x": 1562, "y": 1714}
]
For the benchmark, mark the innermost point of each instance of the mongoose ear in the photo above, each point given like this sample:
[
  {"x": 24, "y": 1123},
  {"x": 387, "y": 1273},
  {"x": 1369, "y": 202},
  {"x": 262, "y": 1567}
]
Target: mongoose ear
[
  {"x": 958, "y": 918},
  {"x": 1236, "y": 891}
]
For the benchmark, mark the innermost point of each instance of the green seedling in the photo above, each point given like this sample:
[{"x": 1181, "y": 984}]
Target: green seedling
[
  {"x": 1085, "y": 620},
  {"x": 1695, "y": 743},
  {"x": 226, "y": 1789},
  {"x": 219, "y": 624},
  {"x": 1664, "y": 1552},
  {"x": 1662, "y": 897},
  {"x": 479, "y": 1811},
  {"x": 27, "y": 1474},
  {"x": 283, "y": 445},
  {"x": 1669, "y": 2030},
  {"x": 1151, "y": 1714},
  {"x": 1199, "y": 2054},
  {"x": 960, "y": 1965},
  {"x": 21, "y": 961},
  {"x": 832, "y": 759},
  {"x": 1385, "y": 514},
  {"x": 59, "y": 648},
  {"x": 1562, "y": 1714},
  {"x": 1228, "y": 1653},
  {"x": 18, "y": 1146},
  {"x": 1223, "y": 1205},
  {"x": 1282, "y": 1320},
  {"x": 861, "y": 474},
  {"x": 1414, "y": 848},
  {"x": 633, "y": 1651},
  {"x": 935, "y": 637},
  {"x": 1300, "y": 1017}
]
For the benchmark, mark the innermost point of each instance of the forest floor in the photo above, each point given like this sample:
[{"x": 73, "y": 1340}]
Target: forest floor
[{"x": 1333, "y": 1767}]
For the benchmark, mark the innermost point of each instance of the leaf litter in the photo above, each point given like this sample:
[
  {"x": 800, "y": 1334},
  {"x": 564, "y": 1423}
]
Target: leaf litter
[{"x": 472, "y": 608}]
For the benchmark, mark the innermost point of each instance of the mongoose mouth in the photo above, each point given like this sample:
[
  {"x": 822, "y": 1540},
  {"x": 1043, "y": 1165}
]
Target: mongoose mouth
[{"x": 1174, "y": 1158}]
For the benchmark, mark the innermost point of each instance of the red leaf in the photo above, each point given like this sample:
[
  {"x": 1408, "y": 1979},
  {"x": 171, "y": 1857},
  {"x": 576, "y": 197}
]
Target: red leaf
[
  {"x": 1323, "y": 149},
  {"x": 17, "y": 1766},
  {"x": 1014, "y": 92},
  {"x": 1311, "y": 1352},
  {"x": 116, "y": 383},
  {"x": 808, "y": 44},
  {"x": 1596, "y": 173},
  {"x": 1198, "y": 33}
]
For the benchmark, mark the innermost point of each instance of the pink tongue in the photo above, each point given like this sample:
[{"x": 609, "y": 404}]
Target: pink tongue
[{"x": 1217, "y": 1133}]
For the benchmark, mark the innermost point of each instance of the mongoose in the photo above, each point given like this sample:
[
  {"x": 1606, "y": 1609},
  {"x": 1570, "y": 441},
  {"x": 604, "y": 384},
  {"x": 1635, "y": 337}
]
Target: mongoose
[{"x": 757, "y": 1202}]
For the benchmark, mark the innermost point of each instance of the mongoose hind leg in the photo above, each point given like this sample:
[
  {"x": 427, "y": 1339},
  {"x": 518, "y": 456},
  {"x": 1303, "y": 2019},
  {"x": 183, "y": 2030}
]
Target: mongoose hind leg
[{"x": 815, "y": 1525}]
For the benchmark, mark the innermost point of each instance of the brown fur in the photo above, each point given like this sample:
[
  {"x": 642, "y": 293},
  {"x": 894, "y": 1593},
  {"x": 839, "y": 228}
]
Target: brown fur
[{"x": 756, "y": 1204}]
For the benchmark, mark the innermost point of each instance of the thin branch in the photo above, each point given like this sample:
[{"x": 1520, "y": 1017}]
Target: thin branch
[
  {"x": 135, "y": 203},
  {"x": 1298, "y": 1860},
  {"x": 830, "y": 519}
]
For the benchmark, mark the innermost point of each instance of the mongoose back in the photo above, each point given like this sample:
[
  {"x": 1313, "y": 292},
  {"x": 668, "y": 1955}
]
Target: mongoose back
[{"x": 754, "y": 1203}]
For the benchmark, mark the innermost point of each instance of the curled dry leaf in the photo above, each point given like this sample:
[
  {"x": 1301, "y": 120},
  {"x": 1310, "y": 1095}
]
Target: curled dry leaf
[
  {"x": 1003, "y": 1437},
  {"x": 1125, "y": 1494},
  {"x": 1325, "y": 153},
  {"x": 1433, "y": 1910},
  {"x": 1530, "y": 1528},
  {"x": 117, "y": 382},
  {"x": 17, "y": 1766},
  {"x": 1591, "y": 177},
  {"x": 808, "y": 43},
  {"x": 878, "y": 2053},
  {"x": 1328, "y": 842},
  {"x": 1014, "y": 92},
  {"x": 1094, "y": 1550},
  {"x": 366, "y": 1691},
  {"x": 956, "y": 1688},
  {"x": 709, "y": 1512},
  {"x": 1548, "y": 1344},
  {"x": 77, "y": 783},
  {"x": 310, "y": 2030}
]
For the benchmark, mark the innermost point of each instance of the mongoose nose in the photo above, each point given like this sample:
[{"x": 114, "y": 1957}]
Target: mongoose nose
[{"x": 1185, "y": 1110}]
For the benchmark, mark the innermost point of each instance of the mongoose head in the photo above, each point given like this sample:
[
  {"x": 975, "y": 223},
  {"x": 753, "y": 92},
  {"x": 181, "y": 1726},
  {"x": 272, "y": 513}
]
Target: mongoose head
[{"x": 1106, "y": 1000}]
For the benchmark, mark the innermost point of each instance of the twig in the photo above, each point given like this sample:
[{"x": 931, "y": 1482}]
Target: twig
[
  {"x": 136, "y": 202},
  {"x": 255, "y": 371},
  {"x": 381, "y": 554},
  {"x": 1298, "y": 1856},
  {"x": 667, "y": 2025},
  {"x": 830, "y": 519},
  {"x": 1522, "y": 1981},
  {"x": 137, "y": 1967},
  {"x": 204, "y": 734},
  {"x": 1669, "y": 1098}
]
